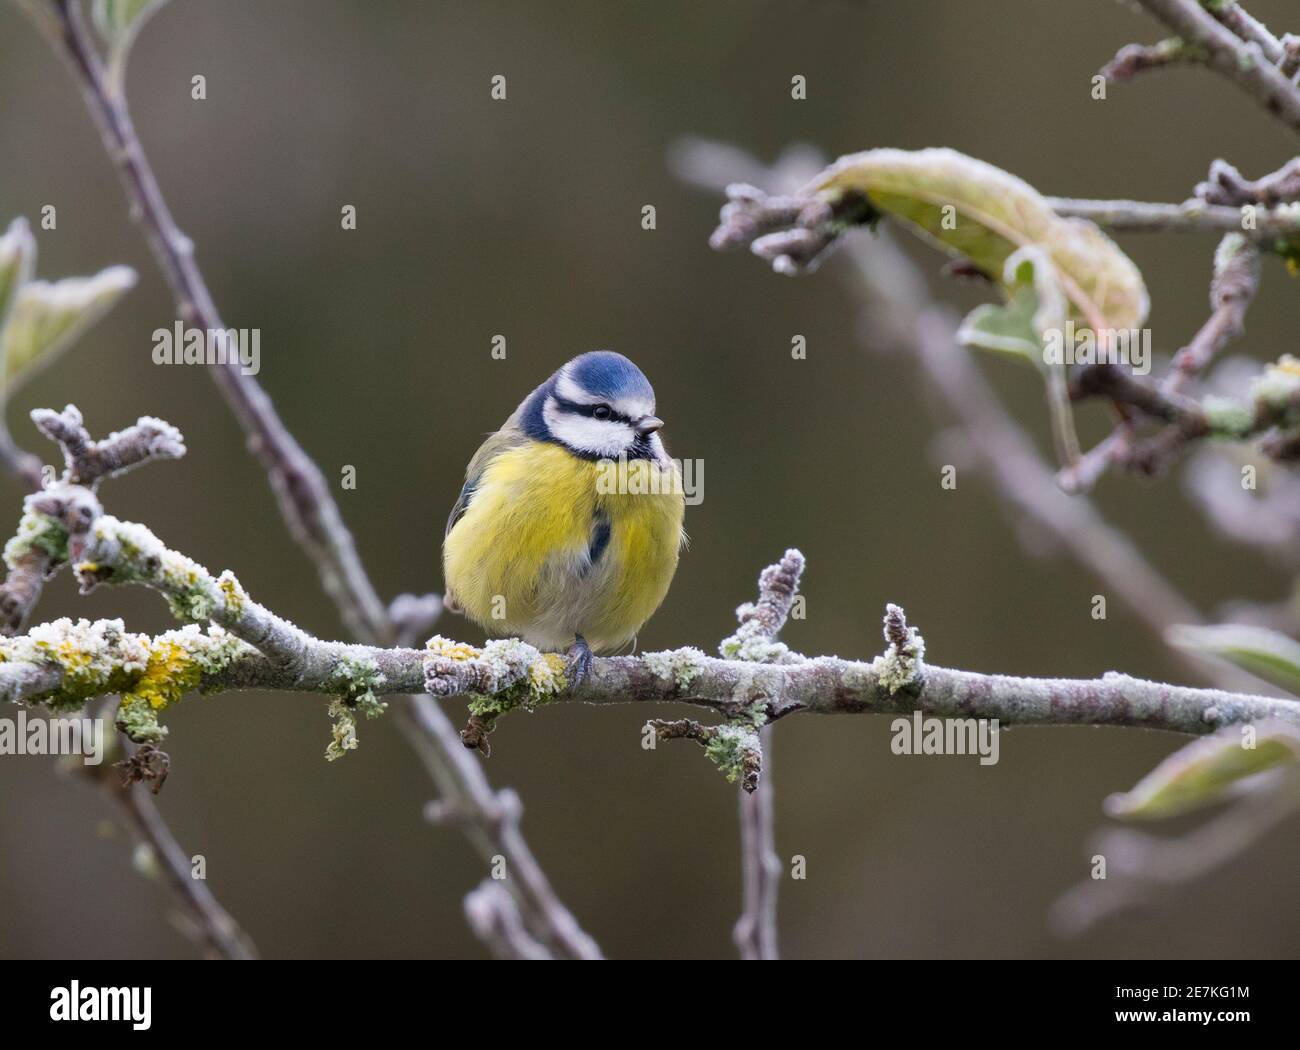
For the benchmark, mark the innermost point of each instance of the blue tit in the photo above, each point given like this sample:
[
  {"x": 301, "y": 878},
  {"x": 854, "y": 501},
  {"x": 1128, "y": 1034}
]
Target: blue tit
[{"x": 568, "y": 528}]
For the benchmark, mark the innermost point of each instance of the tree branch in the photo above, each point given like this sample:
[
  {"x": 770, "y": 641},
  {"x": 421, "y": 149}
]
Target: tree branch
[
  {"x": 1232, "y": 290},
  {"x": 1192, "y": 216},
  {"x": 1246, "y": 26},
  {"x": 1133, "y": 59},
  {"x": 755, "y": 930},
  {"x": 1245, "y": 62},
  {"x": 63, "y": 664}
]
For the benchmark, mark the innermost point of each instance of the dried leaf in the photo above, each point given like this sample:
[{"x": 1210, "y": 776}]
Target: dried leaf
[{"x": 979, "y": 212}]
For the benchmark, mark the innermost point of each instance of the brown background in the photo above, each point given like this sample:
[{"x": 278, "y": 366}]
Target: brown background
[{"x": 522, "y": 218}]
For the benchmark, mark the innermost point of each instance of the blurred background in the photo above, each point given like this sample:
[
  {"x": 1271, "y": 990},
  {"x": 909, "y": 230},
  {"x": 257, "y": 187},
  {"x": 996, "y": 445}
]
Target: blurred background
[{"x": 522, "y": 218}]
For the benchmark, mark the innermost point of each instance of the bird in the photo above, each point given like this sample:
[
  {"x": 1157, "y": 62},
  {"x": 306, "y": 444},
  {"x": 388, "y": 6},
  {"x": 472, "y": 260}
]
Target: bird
[{"x": 569, "y": 526}]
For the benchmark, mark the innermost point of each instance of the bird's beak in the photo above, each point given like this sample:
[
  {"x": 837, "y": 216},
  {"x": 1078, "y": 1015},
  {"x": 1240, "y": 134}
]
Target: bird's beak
[{"x": 648, "y": 425}]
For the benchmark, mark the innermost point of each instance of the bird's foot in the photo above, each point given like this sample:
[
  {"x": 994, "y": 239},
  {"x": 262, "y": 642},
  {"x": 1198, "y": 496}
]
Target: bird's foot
[{"x": 580, "y": 659}]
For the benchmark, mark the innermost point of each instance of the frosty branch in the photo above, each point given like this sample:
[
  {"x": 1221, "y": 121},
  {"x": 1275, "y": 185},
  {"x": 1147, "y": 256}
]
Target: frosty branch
[{"x": 757, "y": 680}]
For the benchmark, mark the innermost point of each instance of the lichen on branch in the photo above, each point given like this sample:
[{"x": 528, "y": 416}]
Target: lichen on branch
[{"x": 231, "y": 642}]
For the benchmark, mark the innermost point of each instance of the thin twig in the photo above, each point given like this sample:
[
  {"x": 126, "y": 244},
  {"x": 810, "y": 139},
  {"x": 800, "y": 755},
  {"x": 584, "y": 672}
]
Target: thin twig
[
  {"x": 1192, "y": 216},
  {"x": 494, "y": 917},
  {"x": 1246, "y": 26},
  {"x": 755, "y": 930},
  {"x": 209, "y": 923},
  {"x": 1226, "y": 185},
  {"x": 1133, "y": 59},
  {"x": 1290, "y": 64},
  {"x": 1232, "y": 290},
  {"x": 1244, "y": 63}
]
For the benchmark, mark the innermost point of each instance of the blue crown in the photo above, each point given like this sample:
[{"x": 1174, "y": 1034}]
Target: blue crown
[{"x": 604, "y": 373}]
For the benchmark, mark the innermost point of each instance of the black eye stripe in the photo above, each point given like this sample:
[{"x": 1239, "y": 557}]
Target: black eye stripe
[{"x": 589, "y": 410}]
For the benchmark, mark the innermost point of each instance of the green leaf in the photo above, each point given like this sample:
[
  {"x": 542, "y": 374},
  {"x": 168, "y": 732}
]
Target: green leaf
[
  {"x": 119, "y": 22},
  {"x": 46, "y": 318},
  {"x": 1036, "y": 306},
  {"x": 1005, "y": 328},
  {"x": 17, "y": 261},
  {"x": 979, "y": 212},
  {"x": 1204, "y": 771},
  {"x": 1256, "y": 649}
]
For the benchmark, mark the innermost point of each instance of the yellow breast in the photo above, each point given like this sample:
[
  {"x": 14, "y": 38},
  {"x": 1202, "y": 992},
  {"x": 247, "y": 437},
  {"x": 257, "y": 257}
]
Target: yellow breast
[{"x": 520, "y": 560}]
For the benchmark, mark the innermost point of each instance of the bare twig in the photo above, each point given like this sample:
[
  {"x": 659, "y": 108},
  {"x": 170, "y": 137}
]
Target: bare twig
[
  {"x": 1290, "y": 64},
  {"x": 1233, "y": 288},
  {"x": 494, "y": 917},
  {"x": 88, "y": 462},
  {"x": 1226, "y": 185},
  {"x": 1246, "y": 26},
  {"x": 1245, "y": 62},
  {"x": 30, "y": 561},
  {"x": 760, "y": 869},
  {"x": 1133, "y": 59},
  {"x": 1192, "y": 216},
  {"x": 208, "y": 922}
]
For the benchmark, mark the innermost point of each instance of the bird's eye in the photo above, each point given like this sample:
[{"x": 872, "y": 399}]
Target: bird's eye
[{"x": 602, "y": 411}]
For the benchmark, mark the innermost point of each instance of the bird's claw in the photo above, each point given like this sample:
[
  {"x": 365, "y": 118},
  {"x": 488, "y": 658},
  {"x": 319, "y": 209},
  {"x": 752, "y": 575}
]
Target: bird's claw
[{"x": 580, "y": 660}]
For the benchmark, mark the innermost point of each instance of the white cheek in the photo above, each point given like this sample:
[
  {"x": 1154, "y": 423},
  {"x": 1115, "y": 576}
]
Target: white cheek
[{"x": 599, "y": 437}]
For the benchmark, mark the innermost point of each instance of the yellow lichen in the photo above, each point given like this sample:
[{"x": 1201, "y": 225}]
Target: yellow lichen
[
  {"x": 445, "y": 647},
  {"x": 170, "y": 673},
  {"x": 546, "y": 674},
  {"x": 232, "y": 591}
]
